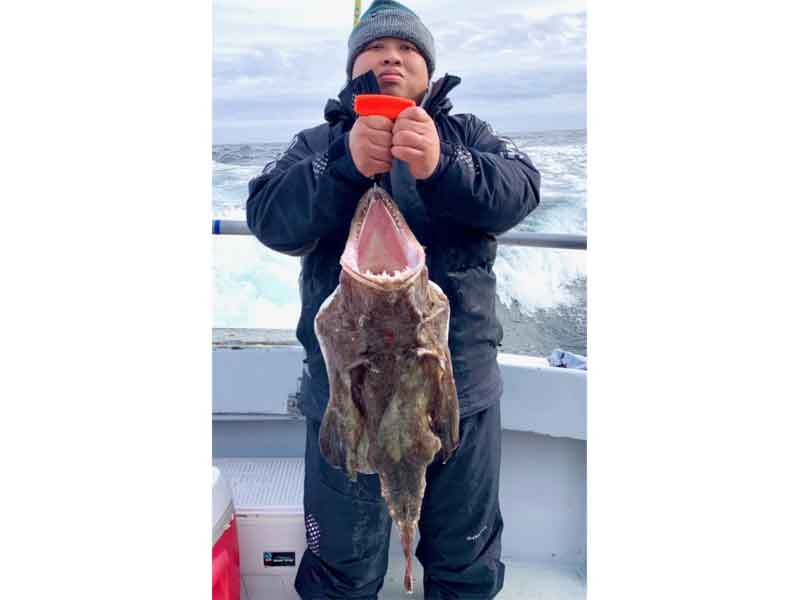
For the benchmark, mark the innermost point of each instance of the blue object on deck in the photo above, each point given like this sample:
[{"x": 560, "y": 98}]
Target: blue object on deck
[
  {"x": 216, "y": 226},
  {"x": 562, "y": 358}
]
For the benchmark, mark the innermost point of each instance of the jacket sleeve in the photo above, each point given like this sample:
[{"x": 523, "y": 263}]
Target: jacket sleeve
[
  {"x": 304, "y": 195},
  {"x": 485, "y": 184}
]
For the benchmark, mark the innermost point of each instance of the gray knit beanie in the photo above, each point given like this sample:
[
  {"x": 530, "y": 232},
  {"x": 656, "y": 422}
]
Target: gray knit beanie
[{"x": 386, "y": 18}]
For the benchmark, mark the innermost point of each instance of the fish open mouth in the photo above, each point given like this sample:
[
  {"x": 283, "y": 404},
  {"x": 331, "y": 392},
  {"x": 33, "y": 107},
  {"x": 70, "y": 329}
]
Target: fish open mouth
[{"x": 381, "y": 249}]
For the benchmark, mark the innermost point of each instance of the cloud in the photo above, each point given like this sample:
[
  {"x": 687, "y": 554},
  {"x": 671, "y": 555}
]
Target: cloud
[{"x": 268, "y": 71}]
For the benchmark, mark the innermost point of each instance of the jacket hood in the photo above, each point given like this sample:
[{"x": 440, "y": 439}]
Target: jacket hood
[{"x": 341, "y": 109}]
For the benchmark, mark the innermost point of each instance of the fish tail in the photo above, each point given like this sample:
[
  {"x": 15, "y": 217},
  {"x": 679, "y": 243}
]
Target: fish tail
[{"x": 407, "y": 531}]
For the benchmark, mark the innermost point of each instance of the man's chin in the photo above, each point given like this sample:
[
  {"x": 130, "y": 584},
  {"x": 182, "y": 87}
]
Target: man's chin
[{"x": 392, "y": 89}]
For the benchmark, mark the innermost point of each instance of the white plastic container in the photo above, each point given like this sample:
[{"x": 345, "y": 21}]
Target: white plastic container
[{"x": 268, "y": 501}]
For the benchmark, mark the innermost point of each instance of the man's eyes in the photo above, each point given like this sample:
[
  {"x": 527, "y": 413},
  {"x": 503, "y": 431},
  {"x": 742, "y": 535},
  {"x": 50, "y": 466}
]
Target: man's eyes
[{"x": 403, "y": 47}]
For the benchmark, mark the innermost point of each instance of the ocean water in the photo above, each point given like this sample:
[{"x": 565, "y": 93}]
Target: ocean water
[{"x": 541, "y": 292}]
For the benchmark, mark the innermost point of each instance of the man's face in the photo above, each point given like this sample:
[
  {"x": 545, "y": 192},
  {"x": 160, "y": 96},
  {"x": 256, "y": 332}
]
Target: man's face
[{"x": 400, "y": 68}]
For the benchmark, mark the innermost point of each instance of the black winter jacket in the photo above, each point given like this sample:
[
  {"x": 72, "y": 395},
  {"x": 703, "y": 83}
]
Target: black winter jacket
[{"x": 303, "y": 202}]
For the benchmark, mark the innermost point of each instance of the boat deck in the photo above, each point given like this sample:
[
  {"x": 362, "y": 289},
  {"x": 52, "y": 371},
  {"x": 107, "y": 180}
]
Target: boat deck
[{"x": 525, "y": 580}]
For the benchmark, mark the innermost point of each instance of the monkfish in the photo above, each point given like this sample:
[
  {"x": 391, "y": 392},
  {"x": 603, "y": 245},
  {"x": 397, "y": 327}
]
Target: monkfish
[{"x": 383, "y": 332}]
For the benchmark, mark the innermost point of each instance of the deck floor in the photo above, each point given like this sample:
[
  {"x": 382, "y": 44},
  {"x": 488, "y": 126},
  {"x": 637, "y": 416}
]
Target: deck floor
[{"x": 524, "y": 581}]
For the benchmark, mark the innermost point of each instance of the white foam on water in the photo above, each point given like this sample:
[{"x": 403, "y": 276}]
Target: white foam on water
[
  {"x": 540, "y": 278},
  {"x": 253, "y": 285},
  {"x": 537, "y": 278},
  {"x": 230, "y": 186}
]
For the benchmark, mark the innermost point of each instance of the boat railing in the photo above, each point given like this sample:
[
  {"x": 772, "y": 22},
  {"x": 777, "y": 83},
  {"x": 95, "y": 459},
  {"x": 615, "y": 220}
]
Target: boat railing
[{"x": 563, "y": 241}]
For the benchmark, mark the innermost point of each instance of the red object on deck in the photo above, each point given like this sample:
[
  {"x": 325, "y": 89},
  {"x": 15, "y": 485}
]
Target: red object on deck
[
  {"x": 225, "y": 566},
  {"x": 381, "y": 104}
]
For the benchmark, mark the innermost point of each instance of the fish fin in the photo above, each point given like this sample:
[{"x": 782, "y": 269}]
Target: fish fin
[
  {"x": 342, "y": 435},
  {"x": 443, "y": 407},
  {"x": 448, "y": 415}
]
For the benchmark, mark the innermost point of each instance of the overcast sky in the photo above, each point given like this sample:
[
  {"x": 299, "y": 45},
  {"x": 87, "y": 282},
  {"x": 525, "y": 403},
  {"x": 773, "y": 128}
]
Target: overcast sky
[{"x": 276, "y": 62}]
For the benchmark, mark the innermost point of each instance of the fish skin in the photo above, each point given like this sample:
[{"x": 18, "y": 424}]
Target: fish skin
[{"x": 393, "y": 406}]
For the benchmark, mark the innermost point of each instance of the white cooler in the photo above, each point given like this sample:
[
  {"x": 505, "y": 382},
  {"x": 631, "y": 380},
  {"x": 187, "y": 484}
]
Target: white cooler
[{"x": 268, "y": 502}]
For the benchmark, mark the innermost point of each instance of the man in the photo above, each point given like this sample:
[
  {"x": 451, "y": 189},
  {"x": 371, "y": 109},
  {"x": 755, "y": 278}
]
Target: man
[{"x": 458, "y": 186}]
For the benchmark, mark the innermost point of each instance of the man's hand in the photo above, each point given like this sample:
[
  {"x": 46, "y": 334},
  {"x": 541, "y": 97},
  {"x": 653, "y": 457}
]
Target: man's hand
[
  {"x": 370, "y": 142},
  {"x": 416, "y": 141}
]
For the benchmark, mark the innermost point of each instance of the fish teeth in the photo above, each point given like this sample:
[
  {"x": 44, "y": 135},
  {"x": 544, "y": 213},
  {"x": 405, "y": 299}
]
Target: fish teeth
[{"x": 385, "y": 275}]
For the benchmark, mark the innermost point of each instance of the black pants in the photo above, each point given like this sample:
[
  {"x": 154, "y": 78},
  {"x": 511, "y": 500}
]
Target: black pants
[{"x": 348, "y": 525}]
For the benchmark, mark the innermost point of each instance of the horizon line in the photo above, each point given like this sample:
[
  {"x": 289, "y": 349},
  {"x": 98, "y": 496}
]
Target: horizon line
[{"x": 506, "y": 133}]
